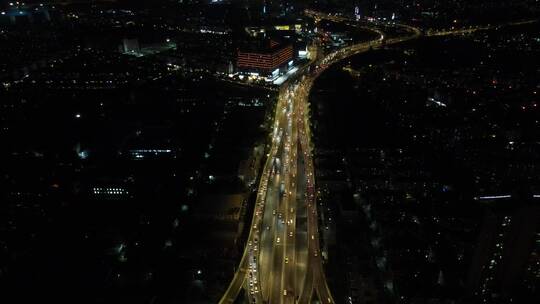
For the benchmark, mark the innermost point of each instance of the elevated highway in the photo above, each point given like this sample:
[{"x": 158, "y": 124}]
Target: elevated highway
[{"x": 282, "y": 261}]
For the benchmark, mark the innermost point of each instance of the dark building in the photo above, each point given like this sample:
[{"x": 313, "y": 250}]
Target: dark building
[
  {"x": 130, "y": 45},
  {"x": 506, "y": 255},
  {"x": 23, "y": 15}
]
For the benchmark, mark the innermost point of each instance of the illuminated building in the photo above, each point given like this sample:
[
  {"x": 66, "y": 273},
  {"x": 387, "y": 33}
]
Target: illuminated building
[
  {"x": 138, "y": 154},
  {"x": 265, "y": 61},
  {"x": 109, "y": 193}
]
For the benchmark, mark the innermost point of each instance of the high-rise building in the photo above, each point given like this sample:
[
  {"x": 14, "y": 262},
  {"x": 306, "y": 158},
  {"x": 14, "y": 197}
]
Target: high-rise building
[{"x": 265, "y": 60}]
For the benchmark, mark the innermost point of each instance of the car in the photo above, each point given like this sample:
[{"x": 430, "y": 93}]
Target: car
[
  {"x": 278, "y": 240},
  {"x": 290, "y": 233},
  {"x": 315, "y": 253},
  {"x": 286, "y": 260}
]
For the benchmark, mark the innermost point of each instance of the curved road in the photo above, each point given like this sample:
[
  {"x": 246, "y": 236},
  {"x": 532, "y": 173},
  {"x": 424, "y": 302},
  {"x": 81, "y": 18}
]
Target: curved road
[{"x": 281, "y": 262}]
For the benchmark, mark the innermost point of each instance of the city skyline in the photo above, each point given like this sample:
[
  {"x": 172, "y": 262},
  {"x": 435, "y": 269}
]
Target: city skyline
[{"x": 270, "y": 151}]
